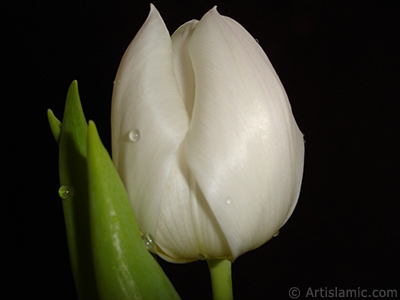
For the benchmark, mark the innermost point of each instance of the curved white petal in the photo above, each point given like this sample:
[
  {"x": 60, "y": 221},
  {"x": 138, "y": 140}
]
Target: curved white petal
[
  {"x": 187, "y": 227},
  {"x": 182, "y": 63},
  {"x": 243, "y": 146},
  {"x": 146, "y": 98}
]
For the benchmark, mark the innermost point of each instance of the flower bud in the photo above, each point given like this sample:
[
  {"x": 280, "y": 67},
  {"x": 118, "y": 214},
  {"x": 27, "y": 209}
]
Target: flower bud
[{"x": 204, "y": 139}]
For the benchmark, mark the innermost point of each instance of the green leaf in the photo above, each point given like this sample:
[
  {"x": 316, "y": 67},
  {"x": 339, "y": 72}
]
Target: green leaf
[
  {"x": 108, "y": 257},
  {"x": 73, "y": 178},
  {"x": 55, "y": 125},
  {"x": 123, "y": 266}
]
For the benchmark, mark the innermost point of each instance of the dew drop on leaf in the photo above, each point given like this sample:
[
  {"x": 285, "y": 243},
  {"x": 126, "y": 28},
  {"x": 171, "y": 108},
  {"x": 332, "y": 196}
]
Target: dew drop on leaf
[
  {"x": 201, "y": 257},
  {"x": 149, "y": 242},
  {"x": 66, "y": 192}
]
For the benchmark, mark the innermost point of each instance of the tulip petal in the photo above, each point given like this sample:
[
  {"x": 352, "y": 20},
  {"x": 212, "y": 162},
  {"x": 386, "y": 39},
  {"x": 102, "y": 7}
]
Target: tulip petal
[
  {"x": 186, "y": 225},
  {"x": 182, "y": 63},
  {"x": 149, "y": 119},
  {"x": 243, "y": 146},
  {"x": 187, "y": 228}
]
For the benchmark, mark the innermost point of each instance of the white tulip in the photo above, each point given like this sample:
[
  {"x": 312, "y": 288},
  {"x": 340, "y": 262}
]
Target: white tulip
[{"x": 204, "y": 139}]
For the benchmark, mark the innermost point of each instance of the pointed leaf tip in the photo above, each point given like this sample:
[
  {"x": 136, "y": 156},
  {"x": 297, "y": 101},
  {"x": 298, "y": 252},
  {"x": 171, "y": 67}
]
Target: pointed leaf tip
[
  {"x": 55, "y": 125},
  {"x": 93, "y": 135},
  {"x": 73, "y": 173}
]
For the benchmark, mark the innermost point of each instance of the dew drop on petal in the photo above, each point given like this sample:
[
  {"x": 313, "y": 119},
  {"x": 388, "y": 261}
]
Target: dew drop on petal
[
  {"x": 276, "y": 233},
  {"x": 116, "y": 82},
  {"x": 228, "y": 201},
  {"x": 149, "y": 242},
  {"x": 201, "y": 257},
  {"x": 134, "y": 135},
  {"x": 66, "y": 192}
]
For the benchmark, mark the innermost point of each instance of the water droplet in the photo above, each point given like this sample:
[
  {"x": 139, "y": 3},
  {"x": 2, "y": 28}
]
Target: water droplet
[
  {"x": 134, "y": 135},
  {"x": 201, "y": 256},
  {"x": 228, "y": 201},
  {"x": 149, "y": 242},
  {"x": 116, "y": 82},
  {"x": 276, "y": 233},
  {"x": 66, "y": 191}
]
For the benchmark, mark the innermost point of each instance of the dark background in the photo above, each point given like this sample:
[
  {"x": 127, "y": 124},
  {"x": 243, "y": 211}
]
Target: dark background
[{"x": 338, "y": 63}]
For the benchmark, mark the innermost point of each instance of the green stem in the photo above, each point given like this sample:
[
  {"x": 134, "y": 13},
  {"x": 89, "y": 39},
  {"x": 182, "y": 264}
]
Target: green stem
[{"x": 221, "y": 279}]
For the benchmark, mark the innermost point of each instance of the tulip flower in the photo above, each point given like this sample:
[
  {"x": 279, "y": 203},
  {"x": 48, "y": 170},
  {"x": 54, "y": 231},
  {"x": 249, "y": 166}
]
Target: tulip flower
[{"x": 204, "y": 139}]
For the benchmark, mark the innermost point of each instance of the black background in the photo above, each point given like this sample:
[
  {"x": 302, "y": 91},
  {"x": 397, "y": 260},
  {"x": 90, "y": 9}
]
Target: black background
[{"x": 338, "y": 63}]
